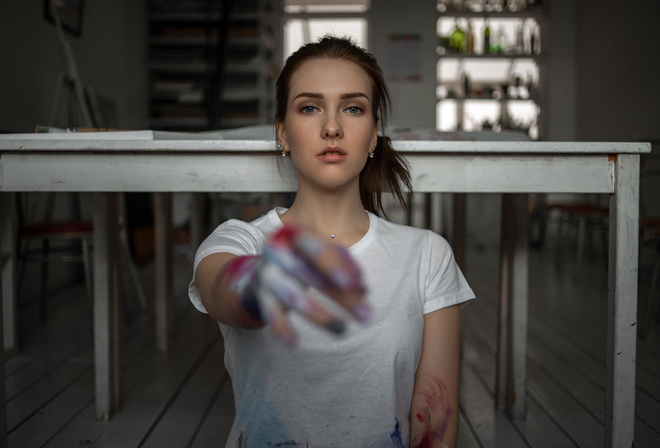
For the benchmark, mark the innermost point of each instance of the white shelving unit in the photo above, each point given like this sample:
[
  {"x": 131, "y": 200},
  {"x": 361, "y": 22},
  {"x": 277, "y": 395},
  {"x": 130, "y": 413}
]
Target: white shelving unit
[{"x": 480, "y": 89}]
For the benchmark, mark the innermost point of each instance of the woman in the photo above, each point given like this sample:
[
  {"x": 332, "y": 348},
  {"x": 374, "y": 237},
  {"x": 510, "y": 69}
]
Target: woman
[{"x": 371, "y": 343}]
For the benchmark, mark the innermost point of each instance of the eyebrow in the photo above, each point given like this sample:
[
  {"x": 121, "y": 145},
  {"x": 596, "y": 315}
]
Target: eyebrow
[{"x": 344, "y": 96}]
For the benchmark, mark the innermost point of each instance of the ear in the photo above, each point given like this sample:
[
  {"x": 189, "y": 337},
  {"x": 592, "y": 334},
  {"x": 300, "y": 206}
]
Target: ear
[
  {"x": 374, "y": 136},
  {"x": 281, "y": 135}
]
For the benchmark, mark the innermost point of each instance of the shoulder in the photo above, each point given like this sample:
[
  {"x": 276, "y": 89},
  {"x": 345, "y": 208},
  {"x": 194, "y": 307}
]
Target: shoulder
[
  {"x": 420, "y": 247},
  {"x": 240, "y": 237},
  {"x": 390, "y": 231}
]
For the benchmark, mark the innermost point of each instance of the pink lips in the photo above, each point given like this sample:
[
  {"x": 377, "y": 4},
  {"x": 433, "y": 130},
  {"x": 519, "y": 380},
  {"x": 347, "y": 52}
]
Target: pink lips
[{"x": 332, "y": 154}]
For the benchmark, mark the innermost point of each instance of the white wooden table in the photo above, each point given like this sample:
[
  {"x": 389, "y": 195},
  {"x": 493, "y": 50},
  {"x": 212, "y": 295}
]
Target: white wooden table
[{"x": 164, "y": 163}]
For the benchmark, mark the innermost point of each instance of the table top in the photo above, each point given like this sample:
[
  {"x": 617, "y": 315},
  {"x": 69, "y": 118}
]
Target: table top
[
  {"x": 243, "y": 161},
  {"x": 261, "y": 139}
]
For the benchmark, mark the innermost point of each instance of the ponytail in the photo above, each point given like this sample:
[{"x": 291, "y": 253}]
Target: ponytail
[{"x": 387, "y": 169}]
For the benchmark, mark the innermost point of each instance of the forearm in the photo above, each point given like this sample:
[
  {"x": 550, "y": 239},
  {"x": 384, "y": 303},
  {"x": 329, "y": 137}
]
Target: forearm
[
  {"x": 434, "y": 408},
  {"x": 434, "y": 414}
]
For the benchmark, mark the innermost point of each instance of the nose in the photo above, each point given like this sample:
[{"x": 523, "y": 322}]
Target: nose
[{"x": 331, "y": 127}]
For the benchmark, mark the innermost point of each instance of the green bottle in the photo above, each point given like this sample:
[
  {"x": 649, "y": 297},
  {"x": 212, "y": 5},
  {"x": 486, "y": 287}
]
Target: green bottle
[
  {"x": 457, "y": 39},
  {"x": 487, "y": 38}
]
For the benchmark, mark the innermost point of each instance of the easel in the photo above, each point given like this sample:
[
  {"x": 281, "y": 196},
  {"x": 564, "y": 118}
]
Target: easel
[
  {"x": 84, "y": 100},
  {"x": 83, "y": 97}
]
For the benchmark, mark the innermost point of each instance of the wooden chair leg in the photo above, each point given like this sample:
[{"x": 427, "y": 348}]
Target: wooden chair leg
[
  {"x": 648, "y": 309},
  {"x": 89, "y": 286},
  {"x": 44, "y": 283},
  {"x": 605, "y": 241},
  {"x": 581, "y": 238},
  {"x": 21, "y": 267}
]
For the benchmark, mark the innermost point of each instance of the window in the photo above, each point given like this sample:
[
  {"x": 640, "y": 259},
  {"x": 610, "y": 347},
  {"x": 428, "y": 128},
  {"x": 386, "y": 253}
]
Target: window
[{"x": 307, "y": 20}]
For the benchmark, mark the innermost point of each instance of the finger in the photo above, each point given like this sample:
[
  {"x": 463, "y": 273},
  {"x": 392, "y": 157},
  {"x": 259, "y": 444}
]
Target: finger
[
  {"x": 294, "y": 264},
  {"x": 355, "y": 303},
  {"x": 328, "y": 267},
  {"x": 290, "y": 293},
  {"x": 342, "y": 274},
  {"x": 275, "y": 316},
  {"x": 300, "y": 254},
  {"x": 333, "y": 262}
]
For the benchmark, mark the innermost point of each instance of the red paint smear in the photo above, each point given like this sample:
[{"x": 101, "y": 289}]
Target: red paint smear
[
  {"x": 285, "y": 235},
  {"x": 437, "y": 405},
  {"x": 426, "y": 441}
]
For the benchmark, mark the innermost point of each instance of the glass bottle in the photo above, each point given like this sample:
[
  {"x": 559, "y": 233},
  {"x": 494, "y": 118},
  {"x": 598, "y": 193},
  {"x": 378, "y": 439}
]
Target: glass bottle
[
  {"x": 487, "y": 37},
  {"x": 516, "y": 5},
  {"x": 501, "y": 45},
  {"x": 474, "y": 5},
  {"x": 532, "y": 41},
  {"x": 467, "y": 88},
  {"x": 520, "y": 41},
  {"x": 457, "y": 39},
  {"x": 470, "y": 39}
]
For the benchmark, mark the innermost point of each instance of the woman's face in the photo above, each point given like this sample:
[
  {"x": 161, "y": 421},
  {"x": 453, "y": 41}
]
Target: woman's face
[{"x": 329, "y": 127}]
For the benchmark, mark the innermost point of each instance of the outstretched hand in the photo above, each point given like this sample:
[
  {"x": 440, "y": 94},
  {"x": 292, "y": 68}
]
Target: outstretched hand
[{"x": 294, "y": 261}]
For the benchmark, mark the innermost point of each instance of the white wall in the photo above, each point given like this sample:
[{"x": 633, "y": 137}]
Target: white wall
[
  {"x": 111, "y": 58},
  {"x": 413, "y": 103},
  {"x": 618, "y": 70},
  {"x": 602, "y": 72},
  {"x": 559, "y": 70}
]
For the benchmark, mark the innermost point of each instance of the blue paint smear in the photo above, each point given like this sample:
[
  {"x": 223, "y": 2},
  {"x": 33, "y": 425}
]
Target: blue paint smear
[{"x": 396, "y": 436}]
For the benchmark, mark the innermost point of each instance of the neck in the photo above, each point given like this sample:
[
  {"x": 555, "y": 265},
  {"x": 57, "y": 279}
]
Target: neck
[{"x": 327, "y": 213}]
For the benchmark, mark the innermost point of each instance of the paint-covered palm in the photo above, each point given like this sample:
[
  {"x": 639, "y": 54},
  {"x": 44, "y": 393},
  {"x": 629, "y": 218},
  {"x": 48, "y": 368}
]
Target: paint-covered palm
[{"x": 295, "y": 262}]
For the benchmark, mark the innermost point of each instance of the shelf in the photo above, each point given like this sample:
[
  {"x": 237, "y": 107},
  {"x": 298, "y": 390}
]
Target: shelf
[
  {"x": 454, "y": 55},
  {"x": 183, "y": 41},
  {"x": 197, "y": 17},
  {"x": 202, "y": 68},
  {"x": 199, "y": 123},
  {"x": 499, "y": 100},
  {"x": 529, "y": 12}
]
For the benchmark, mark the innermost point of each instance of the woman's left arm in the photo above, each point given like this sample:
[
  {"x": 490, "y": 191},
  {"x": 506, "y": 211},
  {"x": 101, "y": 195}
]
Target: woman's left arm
[{"x": 434, "y": 411}]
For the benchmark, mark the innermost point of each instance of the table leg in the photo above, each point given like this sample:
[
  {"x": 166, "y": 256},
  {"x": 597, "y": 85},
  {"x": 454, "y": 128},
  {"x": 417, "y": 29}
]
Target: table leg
[
  {"x": 6, "y": 295},
  {"x": 9, "y": 256},
  {"x": 459, "y": 229},
  {"x": 438, "y": 213},
  {"x": 511, "y": 381},
  {"x": 106, "y": 343},
  {"x": 198, "y": 221},
  {"x": 622, "y": 304},
  {"x": 164, "y": 305}
]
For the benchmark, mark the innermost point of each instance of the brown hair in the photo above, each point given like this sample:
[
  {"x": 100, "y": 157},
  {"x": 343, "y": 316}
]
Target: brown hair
[{"x": 388, "y": 168}]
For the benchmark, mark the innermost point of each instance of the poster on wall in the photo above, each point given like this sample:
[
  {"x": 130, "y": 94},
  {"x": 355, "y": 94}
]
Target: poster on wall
[
  {"x": 70, "y": 13},
  {"x": 405, "y": 51}
]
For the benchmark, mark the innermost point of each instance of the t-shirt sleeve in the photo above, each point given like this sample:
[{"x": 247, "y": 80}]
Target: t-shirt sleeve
[
  {"x": 446, "y": 285},
  {"x": 234, "y": 237}
]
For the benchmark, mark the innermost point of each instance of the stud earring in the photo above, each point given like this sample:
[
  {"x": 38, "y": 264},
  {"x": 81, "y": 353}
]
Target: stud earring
[
  {"x": 371, "y": 155},
  {"x": 279, "y": 147}
]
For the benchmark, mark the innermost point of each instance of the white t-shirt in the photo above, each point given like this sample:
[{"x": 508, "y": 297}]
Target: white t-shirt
[{"x": 338, "y": 391}]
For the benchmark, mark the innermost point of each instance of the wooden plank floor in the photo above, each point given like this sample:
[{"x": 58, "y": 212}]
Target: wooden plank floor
[{"x": 184, "y": 398}]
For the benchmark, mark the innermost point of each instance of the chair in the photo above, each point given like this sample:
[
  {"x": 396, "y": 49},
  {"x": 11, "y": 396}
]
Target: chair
[
  {"x": 650, "y": 304},
  {"x": 48, "y": 231},
  {"x": 587, "y": 216}
]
